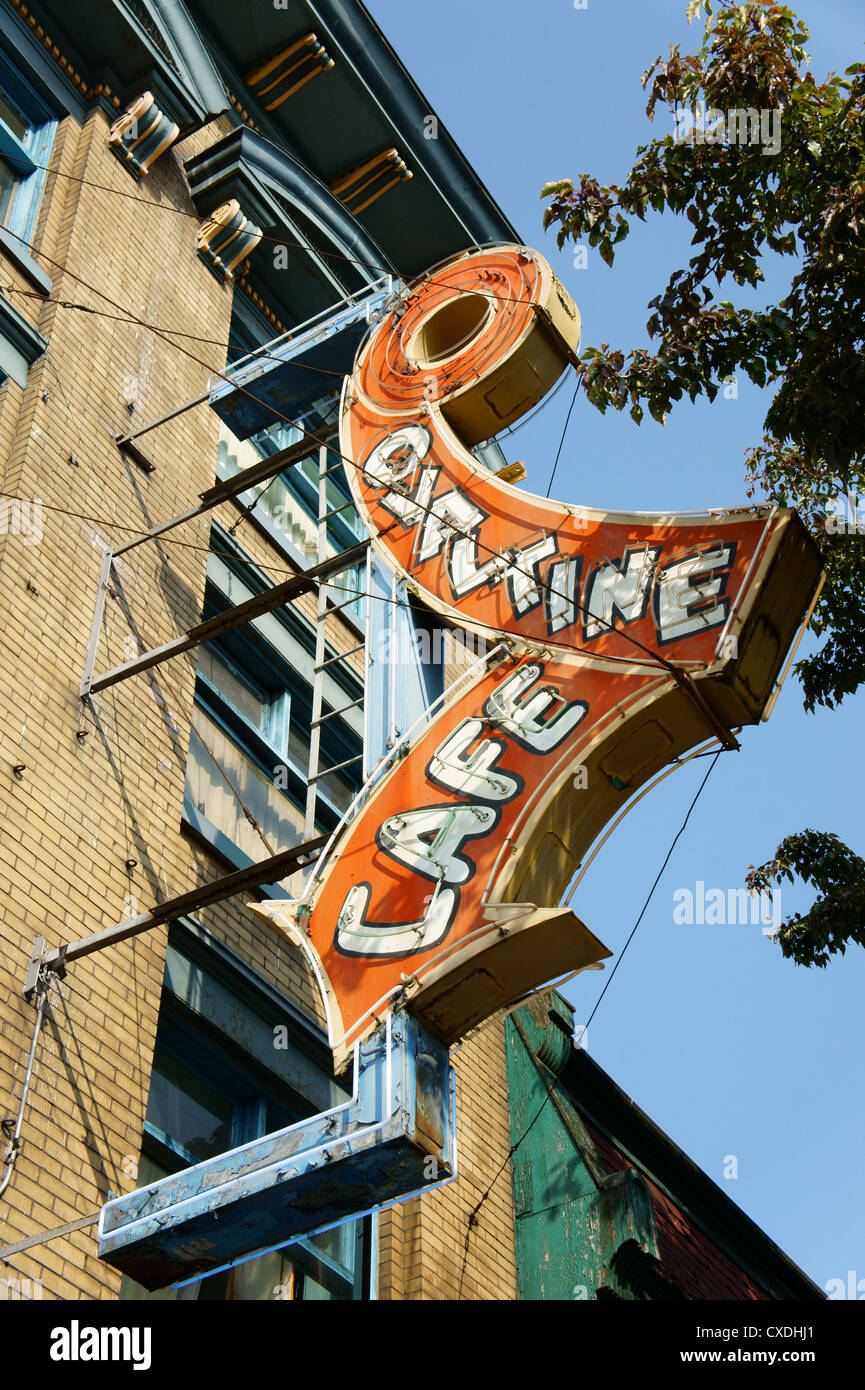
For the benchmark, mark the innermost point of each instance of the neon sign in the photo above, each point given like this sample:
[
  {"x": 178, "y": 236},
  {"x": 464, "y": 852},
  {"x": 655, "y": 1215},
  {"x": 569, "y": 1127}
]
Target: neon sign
[{"x": 616, "y": 643}]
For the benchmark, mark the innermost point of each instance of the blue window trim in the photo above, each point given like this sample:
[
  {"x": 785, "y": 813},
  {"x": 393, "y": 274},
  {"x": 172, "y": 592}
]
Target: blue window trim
[
  {"x": 13, "y": 250},
  {"x": 20, "y": 344},
  {"x": 202, "y": 1048},
  {"x": 279, "y": 539},
  {"x": 336, "y": 747},
  {"x": 249, "y": 331},
  {"x": 337, "y": 743},
  {"x": 343, "y": 740},
  {"x": 199, "y": 945},
  {"x": 21, "y": 49},
  {"x": 263, "y": 756},
  {"x": 272, "y": 736},
  {"x": 305, "y": 491},
  {"x": 259, "y": 752},
  {"x": 305, "y": 494},
  {"x": 29, "y": 155}
]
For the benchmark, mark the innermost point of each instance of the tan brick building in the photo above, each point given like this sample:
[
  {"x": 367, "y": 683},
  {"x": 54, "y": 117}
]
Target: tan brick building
[{"x": 157, "y": 784}]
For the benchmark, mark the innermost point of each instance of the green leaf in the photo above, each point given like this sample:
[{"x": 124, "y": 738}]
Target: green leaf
[{"x": 564, "y": 186}]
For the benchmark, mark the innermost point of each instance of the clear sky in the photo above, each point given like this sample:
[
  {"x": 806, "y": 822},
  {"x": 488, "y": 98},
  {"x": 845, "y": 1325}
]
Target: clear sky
[{"x": 728, "y": 1047}]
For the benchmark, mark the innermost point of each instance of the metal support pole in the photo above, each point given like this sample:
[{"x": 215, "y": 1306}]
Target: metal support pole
[
  {"x": 337, "y": 607},
  {"x": 271, "y": 870},
  {"x": 99, "y": 609},
  {"x": 344, "y": 709},
  {"x": 225, "y": 490},
  {"x": 336, "y": 511},
  {"x": 14, "y": 1149},
  {"x": 259, "y": 472},
  {"x": 342, "y": 656},
  {"x": 163, "y": 419},
  {"x": 254, "y": 607},
  {"x": 318, "y": 663},
  {"x": 326, "y": 771}
]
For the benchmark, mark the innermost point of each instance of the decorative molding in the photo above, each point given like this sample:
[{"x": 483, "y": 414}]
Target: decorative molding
[
  {"x": 369, "y": 181},
  {"x": 279, "y": 78},
  {"x": 226, "y": 238},
  {"x": 275, "y": 187},
  {"x": 153, "y": 32},
  {"x": 261, "y": 305},
  {"x": 174, "y": 61},
  {"x": 179, "y": 41},
  {"x": 101, "y": 89},
  {"x": 363, "y": 50},
  {"x": 241, "y": 110},
  {"x": 14, "y": 251},
  {"x": 142, "y": 134}
]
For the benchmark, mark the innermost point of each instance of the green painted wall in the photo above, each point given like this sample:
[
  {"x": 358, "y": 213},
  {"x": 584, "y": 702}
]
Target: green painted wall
[{"x": 580, "y": 1234}]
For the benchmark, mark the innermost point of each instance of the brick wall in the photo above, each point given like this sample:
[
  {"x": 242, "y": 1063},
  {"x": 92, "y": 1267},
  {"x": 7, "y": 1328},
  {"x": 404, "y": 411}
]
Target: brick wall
[
  {"x": 427, "y": 1250},
  {"x": 83, "y": 807}
]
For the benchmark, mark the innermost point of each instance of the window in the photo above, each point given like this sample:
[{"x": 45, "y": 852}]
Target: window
[
  {"x": 344, "y": 527},
  {"x": 209, "y": 1093},
  {"x": 248, "y": 764},
  {"x": 286, "y": 506},
  {"x": 205, "y": 1098},
  {"x": 240, "y": 738},
  {"x": 26, "y": 137}
]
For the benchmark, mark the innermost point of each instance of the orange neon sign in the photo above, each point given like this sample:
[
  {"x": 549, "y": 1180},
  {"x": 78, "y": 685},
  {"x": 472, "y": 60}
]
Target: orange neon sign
[{"x": 615, "y": 644}]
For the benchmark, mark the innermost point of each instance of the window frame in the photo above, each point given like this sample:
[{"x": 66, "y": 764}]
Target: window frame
[
  {"x": 197, "y": 1043},
  {"x": 227, "y": 1057},
  {"x": 263, "y": 752},
  {"x": 29, "y": 156},
  {"x": 304, "y": 491},
  {"x": 251, "y": 655}
]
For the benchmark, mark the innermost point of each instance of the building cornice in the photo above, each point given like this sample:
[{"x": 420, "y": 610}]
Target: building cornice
[{"x": 351, "y": 29}]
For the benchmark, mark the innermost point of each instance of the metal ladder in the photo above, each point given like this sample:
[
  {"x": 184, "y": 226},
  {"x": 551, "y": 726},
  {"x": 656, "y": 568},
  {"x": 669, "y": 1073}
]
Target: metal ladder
[{"x": 324, "y": 611}]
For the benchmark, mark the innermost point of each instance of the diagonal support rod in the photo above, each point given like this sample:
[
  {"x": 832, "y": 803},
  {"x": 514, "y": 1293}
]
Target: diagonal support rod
[
  {"x": 225, "y": 490},
  {"x": 234, "y": 617},
  {"x": 265, "y": 871}
]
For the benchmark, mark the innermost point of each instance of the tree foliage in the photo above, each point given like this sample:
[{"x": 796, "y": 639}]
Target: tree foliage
[
  {"x": 799, "y": 199},
  {"x": 838, "y": 914},
  {"x": 805, "y": 202}
]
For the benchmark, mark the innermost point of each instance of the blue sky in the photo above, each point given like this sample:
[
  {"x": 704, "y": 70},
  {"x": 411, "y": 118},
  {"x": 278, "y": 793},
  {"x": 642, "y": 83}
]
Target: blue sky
[{"x": 728, "y": 1047}]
